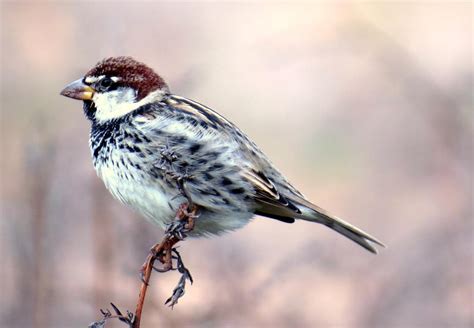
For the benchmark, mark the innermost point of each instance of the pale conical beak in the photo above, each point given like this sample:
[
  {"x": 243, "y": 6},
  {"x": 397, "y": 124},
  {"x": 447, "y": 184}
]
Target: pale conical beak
[{"x": 78, "y": 90}]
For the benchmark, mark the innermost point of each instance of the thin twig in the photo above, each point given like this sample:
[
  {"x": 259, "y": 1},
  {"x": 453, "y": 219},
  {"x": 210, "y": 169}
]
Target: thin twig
[
  {"x": 147, "y": 269},
  {"x": 163, "y": 252}
]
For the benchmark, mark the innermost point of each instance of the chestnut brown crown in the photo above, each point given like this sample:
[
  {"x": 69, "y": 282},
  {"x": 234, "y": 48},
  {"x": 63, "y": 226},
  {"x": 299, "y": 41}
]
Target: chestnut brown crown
[{"x": 131, "y": 73}]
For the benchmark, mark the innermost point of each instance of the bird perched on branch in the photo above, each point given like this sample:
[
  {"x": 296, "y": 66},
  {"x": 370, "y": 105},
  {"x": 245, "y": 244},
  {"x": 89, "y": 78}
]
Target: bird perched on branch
[{"x": 155, "y": 150}]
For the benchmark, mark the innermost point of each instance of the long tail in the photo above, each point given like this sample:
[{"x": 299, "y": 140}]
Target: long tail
[
  {"x": 351, "y": 232},
  {"x": 314, "y": 213}
]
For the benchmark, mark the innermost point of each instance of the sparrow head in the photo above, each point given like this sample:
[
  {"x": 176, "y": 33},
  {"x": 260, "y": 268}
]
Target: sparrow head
[{"x": 115, "y": 87}]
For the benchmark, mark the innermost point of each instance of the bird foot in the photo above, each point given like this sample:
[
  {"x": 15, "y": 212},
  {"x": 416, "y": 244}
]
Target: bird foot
[
  {"x": 183, "y": 223},
  {"x": 165, "y": 252}
]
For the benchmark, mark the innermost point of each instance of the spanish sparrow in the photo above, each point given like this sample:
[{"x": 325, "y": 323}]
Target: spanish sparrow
[{"x": 144, "y": 138}]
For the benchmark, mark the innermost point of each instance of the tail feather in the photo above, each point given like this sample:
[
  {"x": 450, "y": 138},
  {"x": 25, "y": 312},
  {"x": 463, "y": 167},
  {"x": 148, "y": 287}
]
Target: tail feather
[
  {"x": 316, "y": 214},
  {"x": 353, "y": 233}
]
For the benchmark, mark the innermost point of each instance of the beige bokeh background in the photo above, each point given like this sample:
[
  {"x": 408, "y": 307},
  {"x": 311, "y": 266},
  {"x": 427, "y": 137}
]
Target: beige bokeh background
[{"x": 366, "y": 107}]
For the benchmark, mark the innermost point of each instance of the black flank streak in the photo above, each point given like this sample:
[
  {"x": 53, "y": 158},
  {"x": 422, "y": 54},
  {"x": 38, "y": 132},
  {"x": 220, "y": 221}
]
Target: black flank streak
[
  {"x": 133, "y": 149},
  {"x": 207, "y": 176},
  {"x": 226, "y": 181},
  {"x": 194, "y": 148},
  {"x": 137, "y": 139},
  {"x": 126, "y": 135},
  {"x": 237, "y": 191},
  {"x": 183, "y": 165},
  {"x": 211, "y": 191},
  {"x": 216, "y": 167}
]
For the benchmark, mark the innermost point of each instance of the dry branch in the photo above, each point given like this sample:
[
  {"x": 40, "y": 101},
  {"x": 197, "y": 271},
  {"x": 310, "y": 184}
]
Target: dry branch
[{"x": 164, "y": 252}]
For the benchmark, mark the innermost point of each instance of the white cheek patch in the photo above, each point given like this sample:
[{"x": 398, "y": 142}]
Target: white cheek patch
[
  {"x": 114, "y": 104},
  {"x": 117, "y": 103}
]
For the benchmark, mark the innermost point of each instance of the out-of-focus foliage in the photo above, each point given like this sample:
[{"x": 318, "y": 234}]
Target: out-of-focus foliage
[{"x": 366, "y": 107}]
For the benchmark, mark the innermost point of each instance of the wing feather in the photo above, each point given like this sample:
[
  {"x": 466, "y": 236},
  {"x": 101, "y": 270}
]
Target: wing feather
[{"x": 269, "y": 202}]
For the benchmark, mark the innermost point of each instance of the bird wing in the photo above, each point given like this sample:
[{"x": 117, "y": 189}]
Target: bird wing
[{"x": 268, "y": 200}]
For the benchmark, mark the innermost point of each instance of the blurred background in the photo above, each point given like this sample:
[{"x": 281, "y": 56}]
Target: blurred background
[{"x": 366, "y": 107}]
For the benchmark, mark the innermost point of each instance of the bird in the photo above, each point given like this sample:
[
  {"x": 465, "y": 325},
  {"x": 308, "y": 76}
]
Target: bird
[{"x": 144, "y": 139}]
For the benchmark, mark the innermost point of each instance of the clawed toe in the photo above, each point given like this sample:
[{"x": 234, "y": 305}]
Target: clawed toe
[
  {"x": 183, "y": 224},
  {"x": 176, "y": 228}
]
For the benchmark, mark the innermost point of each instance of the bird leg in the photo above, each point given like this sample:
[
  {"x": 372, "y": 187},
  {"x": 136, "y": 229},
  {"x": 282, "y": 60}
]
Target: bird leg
[
  {"x": 166, "y": 253},
  {"x": 184, "y": 221},
  {"x": 176, "y": 231}
]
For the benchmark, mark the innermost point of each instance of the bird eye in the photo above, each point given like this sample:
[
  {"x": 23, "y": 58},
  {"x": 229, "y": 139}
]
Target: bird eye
[{"x": 106, "y": 82}]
